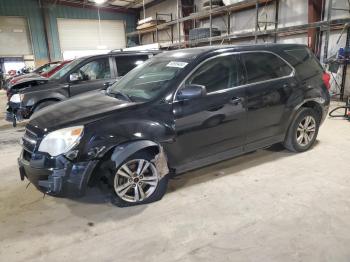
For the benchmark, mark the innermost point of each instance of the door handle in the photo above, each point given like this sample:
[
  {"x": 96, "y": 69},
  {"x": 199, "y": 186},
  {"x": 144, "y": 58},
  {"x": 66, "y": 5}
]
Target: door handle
[{"x": 236, "y": 100}]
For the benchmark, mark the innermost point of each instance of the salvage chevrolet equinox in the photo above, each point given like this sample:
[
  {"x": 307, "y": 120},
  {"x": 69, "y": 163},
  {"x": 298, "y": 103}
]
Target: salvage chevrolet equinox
[{"x": 178, "y": 111}]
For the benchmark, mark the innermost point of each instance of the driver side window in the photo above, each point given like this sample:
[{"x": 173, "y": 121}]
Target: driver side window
[
  {"x": 94, "y": 70},
  {"x": 216, "y": 74}
]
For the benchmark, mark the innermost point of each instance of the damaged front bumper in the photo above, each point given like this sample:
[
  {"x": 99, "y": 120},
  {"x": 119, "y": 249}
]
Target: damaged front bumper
[
  {"x": 16, "y": 113},
  {"x": 56, "y": 176}
]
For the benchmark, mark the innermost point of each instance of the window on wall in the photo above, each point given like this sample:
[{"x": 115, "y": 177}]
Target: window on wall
[{"x": 264, "y": 66}]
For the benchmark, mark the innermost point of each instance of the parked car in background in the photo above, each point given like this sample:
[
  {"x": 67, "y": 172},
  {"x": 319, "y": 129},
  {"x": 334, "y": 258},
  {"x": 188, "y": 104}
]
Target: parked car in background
[
  {"x": 45, "y": 71},
  {"x": 81, "y": 75},
  {"x": 176, "y": 112}
]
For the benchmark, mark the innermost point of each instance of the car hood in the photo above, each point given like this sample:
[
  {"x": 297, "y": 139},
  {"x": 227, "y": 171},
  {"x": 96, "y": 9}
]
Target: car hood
[
  {"x": 79, "y": 110},
  {"x": 22, "y": 77},
  {"x": 28, "y": 82}
]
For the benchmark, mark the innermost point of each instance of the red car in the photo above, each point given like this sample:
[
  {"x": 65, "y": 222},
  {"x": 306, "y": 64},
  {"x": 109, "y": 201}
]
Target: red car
[{"x": 46, "y": 71}]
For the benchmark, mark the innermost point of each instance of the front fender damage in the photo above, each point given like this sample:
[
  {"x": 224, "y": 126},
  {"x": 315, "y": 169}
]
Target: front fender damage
[
  {"x": 122, "y": 152},
  {"x": 161, "y": 163}
]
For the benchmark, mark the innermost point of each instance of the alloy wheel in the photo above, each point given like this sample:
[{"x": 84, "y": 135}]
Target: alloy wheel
[
  {"x": 136, "y": 180},
  {"x": 306, "y": 130}
]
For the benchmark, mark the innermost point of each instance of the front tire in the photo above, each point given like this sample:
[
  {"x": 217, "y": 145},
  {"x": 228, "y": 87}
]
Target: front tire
[
  {"x": 303, "y": 131},
  {"x": 136, "y": 181}
]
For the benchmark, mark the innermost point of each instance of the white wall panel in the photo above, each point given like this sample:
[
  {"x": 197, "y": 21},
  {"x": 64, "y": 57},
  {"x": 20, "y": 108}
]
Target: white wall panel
[
  {"x": 342, "y": 4},
  {"x": 14, "y": 36},
  {"x": 83, "y": 34},
  {"x": 292, "y": 12}
]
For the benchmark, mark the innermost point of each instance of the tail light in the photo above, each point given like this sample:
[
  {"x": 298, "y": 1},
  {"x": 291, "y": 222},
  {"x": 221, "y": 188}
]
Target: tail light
[{"x": 326, "y": 78}]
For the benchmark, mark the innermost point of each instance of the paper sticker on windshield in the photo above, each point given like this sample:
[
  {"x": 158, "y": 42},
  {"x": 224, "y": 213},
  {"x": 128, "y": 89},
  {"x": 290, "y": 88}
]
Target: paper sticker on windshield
[{"x": 177, "y": 64}]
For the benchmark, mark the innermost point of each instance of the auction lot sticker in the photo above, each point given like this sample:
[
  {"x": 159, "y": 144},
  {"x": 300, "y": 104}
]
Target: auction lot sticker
[{"x": 177, "y": 64}]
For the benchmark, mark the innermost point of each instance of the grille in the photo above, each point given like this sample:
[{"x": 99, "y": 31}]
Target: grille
[{"x": 29, "y": 140}]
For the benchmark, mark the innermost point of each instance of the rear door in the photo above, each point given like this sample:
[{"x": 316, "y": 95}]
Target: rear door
[
  {"x": 270, "y": 82},
  {"x": 91, "y": 76},
  {"x": 126, "y": 63}
]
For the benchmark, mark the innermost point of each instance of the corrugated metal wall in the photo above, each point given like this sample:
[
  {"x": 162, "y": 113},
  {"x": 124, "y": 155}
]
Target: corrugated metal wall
[{"x": 31, "y": 10}]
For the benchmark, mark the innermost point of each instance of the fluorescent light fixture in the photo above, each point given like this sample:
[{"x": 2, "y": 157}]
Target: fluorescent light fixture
[{"x": 100, "y": 2}]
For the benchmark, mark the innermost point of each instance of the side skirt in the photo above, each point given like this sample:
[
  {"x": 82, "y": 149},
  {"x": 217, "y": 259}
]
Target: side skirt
[{"x": 227, "y": 154}]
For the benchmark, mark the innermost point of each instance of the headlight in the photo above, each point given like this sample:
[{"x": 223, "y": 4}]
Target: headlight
[
  {"x": 16, "y": 98},
  {"x": 61, "y": 141}
]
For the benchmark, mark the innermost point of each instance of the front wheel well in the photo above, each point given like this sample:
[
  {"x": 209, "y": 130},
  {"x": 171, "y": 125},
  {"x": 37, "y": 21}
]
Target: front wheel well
[
  {"x": 106, "y": 166},
  {"x": 46, "y": 100}
]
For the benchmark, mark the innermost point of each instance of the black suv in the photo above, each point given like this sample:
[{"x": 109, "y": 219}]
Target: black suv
[
  {"x": 81, "y": 75},
  {"x": 178, "y": 111}
]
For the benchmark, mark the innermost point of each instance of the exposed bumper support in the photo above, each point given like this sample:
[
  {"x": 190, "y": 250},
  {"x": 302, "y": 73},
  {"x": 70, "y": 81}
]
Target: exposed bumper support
[
  {"x": 63, "y": 179},
  {"x": 15, "y": 113}
]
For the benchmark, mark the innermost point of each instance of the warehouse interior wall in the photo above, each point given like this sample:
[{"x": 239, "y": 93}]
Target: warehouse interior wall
[
  {"x": 165, "y": 7},
  {"x": 336, "y": 41},
  {"x": 59, "y": 11},
  {"x": 31, "y": 10},
  {"x": 291, "y": 12}
]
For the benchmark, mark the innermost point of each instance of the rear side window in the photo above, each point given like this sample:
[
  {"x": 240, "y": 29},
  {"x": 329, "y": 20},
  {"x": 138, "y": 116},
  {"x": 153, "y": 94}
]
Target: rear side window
[
  {"x": 264, "y": 66},
  {"x": 127, "y": 63},
  {"x": 304, "y": 62}
]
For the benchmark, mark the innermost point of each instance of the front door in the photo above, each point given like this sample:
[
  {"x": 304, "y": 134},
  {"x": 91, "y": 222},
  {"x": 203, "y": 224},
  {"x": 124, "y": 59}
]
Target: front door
[
  {"x": 215, "y": 122},
  {"x": 91, "y": 76}
]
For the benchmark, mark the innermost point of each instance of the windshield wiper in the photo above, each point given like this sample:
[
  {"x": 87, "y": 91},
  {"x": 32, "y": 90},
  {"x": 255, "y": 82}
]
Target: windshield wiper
[{"x": 125, "y": 96}]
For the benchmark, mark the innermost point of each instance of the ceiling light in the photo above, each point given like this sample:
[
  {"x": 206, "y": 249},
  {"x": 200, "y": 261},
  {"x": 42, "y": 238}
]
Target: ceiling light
[{"x": 100, "y": 2}]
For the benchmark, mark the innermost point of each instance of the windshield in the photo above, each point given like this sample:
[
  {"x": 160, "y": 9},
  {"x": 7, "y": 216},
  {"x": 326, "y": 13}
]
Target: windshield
[
  {"x": 65, "y": 69},
  {"x": 148, "y": 79}
]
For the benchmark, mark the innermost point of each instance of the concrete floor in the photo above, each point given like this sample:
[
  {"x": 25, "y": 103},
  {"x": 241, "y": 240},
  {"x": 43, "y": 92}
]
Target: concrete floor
[{"x": 271, "y": 205}]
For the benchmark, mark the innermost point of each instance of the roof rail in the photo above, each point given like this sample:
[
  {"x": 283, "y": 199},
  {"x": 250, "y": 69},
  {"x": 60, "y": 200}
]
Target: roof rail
[{"x": 117, "y": 50}]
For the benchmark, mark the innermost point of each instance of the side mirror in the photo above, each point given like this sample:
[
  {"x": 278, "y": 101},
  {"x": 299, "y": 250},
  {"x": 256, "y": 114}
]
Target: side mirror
[
  {"x": 190, "y": 92},
  {"x": 74, "y": 77},
  {"x": 106, "y": 85}
]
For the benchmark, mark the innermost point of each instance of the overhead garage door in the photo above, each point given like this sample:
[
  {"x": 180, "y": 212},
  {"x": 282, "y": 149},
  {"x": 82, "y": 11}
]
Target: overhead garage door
[
  {"x": 14, "y": 37},
  {"x": 83, "y": 34}
]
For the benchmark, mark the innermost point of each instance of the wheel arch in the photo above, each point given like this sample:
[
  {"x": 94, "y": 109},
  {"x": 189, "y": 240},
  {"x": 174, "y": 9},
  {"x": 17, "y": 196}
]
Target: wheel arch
[
  {"x": 116, "y": 155},
  {"x": 315, "y": 104},
  {"x": 53, "y": 99}
]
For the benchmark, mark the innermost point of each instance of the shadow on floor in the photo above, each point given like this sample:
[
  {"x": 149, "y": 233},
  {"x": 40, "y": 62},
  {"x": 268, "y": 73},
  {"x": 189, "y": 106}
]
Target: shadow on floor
[{"x": 230, "y": 167}]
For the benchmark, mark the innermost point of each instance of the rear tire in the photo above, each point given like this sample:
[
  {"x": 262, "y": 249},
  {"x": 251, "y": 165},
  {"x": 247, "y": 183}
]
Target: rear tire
[
  {"x": 141, "y": 187},
  {"x": 303, "y": 131}
]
